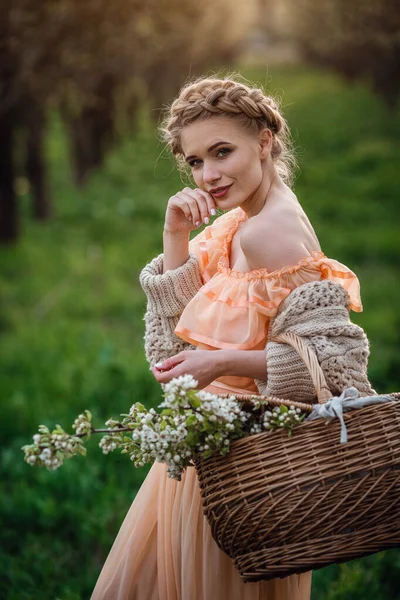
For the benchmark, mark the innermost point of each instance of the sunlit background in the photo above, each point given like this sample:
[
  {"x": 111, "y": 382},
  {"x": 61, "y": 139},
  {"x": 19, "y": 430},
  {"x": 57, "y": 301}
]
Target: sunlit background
[{"x": 84, "y": 184}]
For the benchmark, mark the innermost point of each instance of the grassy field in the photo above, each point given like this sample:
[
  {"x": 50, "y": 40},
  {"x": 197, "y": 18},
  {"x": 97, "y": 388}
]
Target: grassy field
[{"x": 72, "y": 327}]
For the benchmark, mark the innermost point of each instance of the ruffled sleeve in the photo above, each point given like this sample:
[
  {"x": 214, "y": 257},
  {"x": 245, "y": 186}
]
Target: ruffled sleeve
[
  {"x": 209, "y": 244},
  {"x": 233, "y": 309}
]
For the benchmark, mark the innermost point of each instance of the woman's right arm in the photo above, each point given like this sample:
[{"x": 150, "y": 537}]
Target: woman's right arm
[
  {"x": 167, "y": 295},
  {"x": 172, "y": 279}
]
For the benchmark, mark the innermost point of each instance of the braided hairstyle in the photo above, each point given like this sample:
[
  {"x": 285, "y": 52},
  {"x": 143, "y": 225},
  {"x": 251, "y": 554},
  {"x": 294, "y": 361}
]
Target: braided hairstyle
[{"x": 206, "y": 97}]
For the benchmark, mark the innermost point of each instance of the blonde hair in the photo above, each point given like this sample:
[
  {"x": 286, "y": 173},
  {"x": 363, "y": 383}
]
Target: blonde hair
[{"x": 206, "y": 97}]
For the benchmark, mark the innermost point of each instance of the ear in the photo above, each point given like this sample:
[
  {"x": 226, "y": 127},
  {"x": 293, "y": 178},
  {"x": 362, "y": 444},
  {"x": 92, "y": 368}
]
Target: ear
[{"x": 265, "y": 142}]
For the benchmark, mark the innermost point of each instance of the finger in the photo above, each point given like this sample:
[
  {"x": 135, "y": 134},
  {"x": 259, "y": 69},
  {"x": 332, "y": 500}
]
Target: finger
[
  {"x": 202, "y": 204},
  {"x": 166, "y": 376},
  {"x": 170, "y": 362},
  {"x": 182, "y": 204},
  {"x": 211, "y": 207},
  {"x": 193, "y": 207}
]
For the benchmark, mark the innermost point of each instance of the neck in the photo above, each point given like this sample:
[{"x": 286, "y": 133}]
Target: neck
[{"x": 254, "y": 204}]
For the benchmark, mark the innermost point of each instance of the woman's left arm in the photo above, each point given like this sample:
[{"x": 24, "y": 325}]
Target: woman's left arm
[
  {"x": 242, "y": 363},
  {"x": 207, "y": 365},
  {"x": 318, "y": 313}
]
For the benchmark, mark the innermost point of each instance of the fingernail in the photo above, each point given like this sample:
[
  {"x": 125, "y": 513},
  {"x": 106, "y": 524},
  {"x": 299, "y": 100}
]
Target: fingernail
[
  {"x": 206, "y": 220},
  {"x": 213, "y": 212},
  {"x": 197, "y": 223},
  {"x": 158, "y": 364}
]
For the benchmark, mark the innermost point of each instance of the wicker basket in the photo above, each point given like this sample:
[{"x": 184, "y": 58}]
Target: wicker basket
[{"x": 278, "y": 505}]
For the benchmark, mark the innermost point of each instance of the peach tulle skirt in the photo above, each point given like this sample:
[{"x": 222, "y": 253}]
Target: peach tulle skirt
[{"x": 165, "y": 551}]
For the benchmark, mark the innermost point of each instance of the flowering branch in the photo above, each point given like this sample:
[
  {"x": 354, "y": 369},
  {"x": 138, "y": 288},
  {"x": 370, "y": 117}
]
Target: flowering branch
[{"x": 191, "y": 422}]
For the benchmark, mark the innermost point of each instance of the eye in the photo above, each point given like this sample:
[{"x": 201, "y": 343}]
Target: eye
[
  {"x": 193, "y": 163},
  {"x": 225, "y": 150}
]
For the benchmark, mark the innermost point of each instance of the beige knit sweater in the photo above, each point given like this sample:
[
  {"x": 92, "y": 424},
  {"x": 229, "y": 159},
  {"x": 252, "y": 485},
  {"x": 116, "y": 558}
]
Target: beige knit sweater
[{"x": 317, "y": 311}]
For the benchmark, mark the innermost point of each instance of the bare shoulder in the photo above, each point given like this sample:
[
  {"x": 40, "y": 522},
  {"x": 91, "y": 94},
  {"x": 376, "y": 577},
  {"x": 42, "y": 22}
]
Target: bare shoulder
[{"x": 279, "y": 238}]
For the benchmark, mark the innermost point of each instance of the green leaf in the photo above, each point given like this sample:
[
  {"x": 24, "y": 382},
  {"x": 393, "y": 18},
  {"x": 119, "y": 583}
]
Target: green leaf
[
  {"x": 195, "y": 402},
  {"x": 283, "y": 409},
  {"x": 192, "y": 438},
  {"x": 207, "y": 453}
]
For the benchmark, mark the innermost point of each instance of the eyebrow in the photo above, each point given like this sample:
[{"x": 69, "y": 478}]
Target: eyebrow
[{"x": 209, "y": 150}]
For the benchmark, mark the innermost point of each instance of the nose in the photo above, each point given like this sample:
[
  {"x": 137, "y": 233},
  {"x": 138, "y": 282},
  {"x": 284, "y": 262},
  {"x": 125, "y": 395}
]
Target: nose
[{"x": 210, "y": 173}]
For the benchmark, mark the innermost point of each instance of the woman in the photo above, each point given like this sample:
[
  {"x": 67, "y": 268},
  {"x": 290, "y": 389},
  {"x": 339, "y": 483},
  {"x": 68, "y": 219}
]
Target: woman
[{"x": 257, "y": 270}]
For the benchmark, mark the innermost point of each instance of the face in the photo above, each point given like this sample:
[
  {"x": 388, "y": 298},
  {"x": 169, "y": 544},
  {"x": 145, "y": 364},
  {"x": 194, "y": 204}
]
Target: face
[{"x": 223, "y": 154}]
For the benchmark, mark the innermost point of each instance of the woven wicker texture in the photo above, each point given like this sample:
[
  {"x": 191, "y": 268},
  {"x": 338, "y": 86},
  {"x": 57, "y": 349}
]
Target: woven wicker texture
[{"x": 278, "y": 505}]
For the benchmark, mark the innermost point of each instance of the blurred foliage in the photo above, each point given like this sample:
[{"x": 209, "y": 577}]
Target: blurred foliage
[
  {"x": 66, "y": 49},
  {"x": 358, "y": 39},
  {"x": 72, "y": 323},
  {"x": 99, "y": 62}
]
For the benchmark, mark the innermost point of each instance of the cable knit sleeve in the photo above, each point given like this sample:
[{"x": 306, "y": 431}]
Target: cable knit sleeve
[
  {"x": 167, "y": 295},
  {"x": 318, "y": 312}
]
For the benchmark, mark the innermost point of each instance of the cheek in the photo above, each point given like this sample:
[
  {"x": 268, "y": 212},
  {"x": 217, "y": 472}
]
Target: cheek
[
  {"x": 196, "y": 174},
  {"x": 245, "y": 168}
]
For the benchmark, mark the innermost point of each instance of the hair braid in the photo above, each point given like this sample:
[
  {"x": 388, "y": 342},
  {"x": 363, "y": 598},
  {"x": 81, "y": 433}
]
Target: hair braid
[{"x": 206, "y": 97}]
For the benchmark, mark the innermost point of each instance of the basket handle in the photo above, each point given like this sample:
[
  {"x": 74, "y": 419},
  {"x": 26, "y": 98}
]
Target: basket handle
[{"x": 311, "y": 361}]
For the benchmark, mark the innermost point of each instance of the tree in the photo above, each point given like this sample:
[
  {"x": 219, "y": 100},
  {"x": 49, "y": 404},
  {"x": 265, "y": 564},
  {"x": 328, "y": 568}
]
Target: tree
[{"x": 358, "y": 39}]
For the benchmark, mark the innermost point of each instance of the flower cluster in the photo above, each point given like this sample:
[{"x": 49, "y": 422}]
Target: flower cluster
[
  {"x": 191, "y": 423},
  {"x": 83, "y": 424},
  {"x": 282, "y": 416},
  {"x": 49, "y": 449},
  {"x": 112, "y": 441}
]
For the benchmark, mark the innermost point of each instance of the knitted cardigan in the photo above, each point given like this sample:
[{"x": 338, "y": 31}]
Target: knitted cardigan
[{"x": 318, "y": 312}]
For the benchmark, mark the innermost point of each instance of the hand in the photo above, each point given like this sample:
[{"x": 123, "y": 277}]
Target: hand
[
  {"x": 200, "y": 363},
  {"x": 188, "y": 210}
]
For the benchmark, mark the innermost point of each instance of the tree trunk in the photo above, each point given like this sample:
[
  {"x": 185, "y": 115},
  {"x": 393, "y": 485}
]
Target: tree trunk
[{"x": 9, "y": 222}]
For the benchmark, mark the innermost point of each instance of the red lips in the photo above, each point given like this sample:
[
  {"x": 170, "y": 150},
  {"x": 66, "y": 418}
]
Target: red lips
[
  {"x": 220, "y": 192},
  {"x": 219, "y": 189}
]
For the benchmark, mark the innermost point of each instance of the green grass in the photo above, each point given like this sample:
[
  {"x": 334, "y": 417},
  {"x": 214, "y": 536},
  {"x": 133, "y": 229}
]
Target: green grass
[{"x": 71, "y": 324}]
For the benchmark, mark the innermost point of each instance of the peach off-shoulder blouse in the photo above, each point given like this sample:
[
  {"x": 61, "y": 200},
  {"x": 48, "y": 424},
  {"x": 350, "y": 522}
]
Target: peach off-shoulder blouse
[{"x": 233, "y": 309}]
